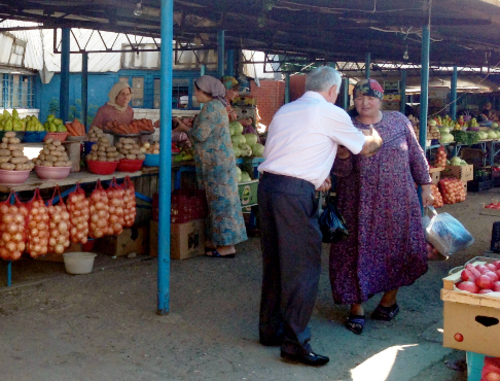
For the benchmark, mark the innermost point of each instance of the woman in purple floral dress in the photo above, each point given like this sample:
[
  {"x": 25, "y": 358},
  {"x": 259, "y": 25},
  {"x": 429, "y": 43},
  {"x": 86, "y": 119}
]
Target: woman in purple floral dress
[{"x": 378, "y": 198}]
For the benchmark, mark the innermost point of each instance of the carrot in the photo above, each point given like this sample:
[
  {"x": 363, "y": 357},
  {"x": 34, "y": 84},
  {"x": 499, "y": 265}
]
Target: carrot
[{"x": 71, "y": 130}]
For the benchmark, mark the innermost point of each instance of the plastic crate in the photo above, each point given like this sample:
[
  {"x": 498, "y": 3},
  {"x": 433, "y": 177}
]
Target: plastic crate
[
  {"x": 479, "y": 186},
  {"x": 188, "y": 205},
  {"x": 248, "y": 193}
]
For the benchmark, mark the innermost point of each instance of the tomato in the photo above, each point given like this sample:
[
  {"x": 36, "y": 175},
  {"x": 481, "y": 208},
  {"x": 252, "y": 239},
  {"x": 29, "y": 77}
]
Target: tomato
[
  {"x": 484, "y": 281},
  {"x": 468, "y": 286},
  {"x": 484, "y": 291},
  {"x": 481, "y": 268},
  {"x": 497, "y": 264},
  {"x": 496, "y": 286},
  {"x": 475, "y": 272},
  {"x": 492, "y": 275},
  {"x": 458, "y": 337}
]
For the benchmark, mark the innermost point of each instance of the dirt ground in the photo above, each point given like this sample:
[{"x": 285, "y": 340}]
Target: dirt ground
[{"x": 103, "y": 326}]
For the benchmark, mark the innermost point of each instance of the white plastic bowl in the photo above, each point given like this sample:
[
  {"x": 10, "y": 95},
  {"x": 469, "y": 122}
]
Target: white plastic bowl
[{"x": 79, "y": 262}]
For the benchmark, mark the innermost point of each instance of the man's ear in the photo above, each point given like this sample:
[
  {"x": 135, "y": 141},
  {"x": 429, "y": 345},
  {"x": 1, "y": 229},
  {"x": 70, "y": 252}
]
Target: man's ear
[{"x": 333, "y": 91}]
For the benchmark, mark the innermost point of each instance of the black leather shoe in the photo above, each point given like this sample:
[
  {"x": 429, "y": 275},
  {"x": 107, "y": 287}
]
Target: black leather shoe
[{"x": 310, "y": 358}]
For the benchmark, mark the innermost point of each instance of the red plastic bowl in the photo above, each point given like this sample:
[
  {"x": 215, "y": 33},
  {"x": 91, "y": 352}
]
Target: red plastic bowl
[
  {"x": 13, "y": 177},
  {"x": 61, "y": 136},
  {"x": 127, "y": 165},
  {"x": 52, "y": 173},
  {"x": 102, "y": 167}
]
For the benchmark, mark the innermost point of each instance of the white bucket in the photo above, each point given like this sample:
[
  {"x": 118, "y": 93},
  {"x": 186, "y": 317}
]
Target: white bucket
[{"x": 79, "y": 262}]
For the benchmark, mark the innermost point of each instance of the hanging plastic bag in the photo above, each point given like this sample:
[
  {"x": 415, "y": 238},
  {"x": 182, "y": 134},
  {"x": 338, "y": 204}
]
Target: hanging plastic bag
[
  {"x": 332, "y": 223},
  {"x": 129, "y": 208},
  {"x": 116, "y": 213},
  {"x": 79, "y": 213},
  {"x": 447, "y": 234},
  {"x": 59, "y": 224},
  {"x": 12, "y": 228},
  {"x": 38, "y": 226},
  {"x": 99, "y": 212}
]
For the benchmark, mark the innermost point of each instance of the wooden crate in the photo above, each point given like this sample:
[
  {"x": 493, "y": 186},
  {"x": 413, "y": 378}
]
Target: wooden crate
[{"x": 462, "y": 172}]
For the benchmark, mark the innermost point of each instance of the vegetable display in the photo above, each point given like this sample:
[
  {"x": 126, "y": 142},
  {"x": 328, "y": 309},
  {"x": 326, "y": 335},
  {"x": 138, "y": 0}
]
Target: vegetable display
[
  {"x": 129, "y": 204},
  {"x": 452, "y": 189},
  {"x": 75, "y": 128},
  {"x": 53, "y": 154},
  {"x": 95, "y": 133},
  {"x": 12, "y": 229},
  {"x": 99, "y": 212},
  {"x": 441, "y": 157},
  {"x": 480, "y": 278},
  {"x": 129, "y": 149},
  {"x": 466, "y": 137},
  {"x": 103, "y": 151},
  {"x": 79, "y": 214},
  {"x": 436, "y": 194},
  {"x": 116, "y": 213},
  {"x": 135, "y": 127},
  {"x": 11, "y": 154},
  {"x": 59, "y": 225},
  {"x": 153, "y": 148},
  {"x": 38, "y": 226}
]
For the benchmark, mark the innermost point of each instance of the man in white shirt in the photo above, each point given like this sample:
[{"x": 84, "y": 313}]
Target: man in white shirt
[{"x": 299, "y": 153}]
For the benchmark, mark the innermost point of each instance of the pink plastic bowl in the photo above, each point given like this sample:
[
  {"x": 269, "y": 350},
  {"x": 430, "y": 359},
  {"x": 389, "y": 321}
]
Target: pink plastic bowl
[
  {"x": 13, "y": 177},
  {"x": 52, "y": 173},
  {"x": 61, "y": 136}
]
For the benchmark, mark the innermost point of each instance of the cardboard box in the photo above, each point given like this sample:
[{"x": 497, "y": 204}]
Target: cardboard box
[
  {"x": 187, "y": 240},
  {"x": 462, "y": 172},
  {"x": 133, "y": 239},
  {"x": 475, "y": 316},
  {"x": 435, "y": 177},
  {"x": 248, "y": 193}
]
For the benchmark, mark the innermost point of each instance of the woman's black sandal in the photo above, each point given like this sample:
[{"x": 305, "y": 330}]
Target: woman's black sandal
[
  {"x": 215, "y": 254},
  {"x": 385, "y": 313},
  {"x": 355, "y": 323}
]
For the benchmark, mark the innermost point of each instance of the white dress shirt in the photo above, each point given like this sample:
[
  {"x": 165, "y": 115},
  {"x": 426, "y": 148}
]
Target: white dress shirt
[{"x": 303, "y": 138}]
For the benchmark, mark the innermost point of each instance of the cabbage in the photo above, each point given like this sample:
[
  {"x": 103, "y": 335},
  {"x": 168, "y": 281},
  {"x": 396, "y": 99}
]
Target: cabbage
[
  {"x": 444, "y": 130},
  {"x": 455, "y": 160},
  {"x": 238, "y": 140},
  {"x": 494, "y": 125},
  {"x": 251, "y": 139},
  {"x": 245, "y": 177},
  {"x": 258, "y": 150},
  {"x": 446, "y": 138},
  {"x": 246, "y": 151},
  {"x": 237, "y": 151},
  {"x": 238, "y": 170},
  {"x": 237, "y": 127},
  {"x": 492, "y": 135},
  {"x": 432, "y": 122},
  {"x": 463, "y": 162}
]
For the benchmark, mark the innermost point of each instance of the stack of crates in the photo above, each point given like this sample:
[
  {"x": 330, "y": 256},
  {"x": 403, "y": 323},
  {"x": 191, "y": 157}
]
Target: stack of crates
[{"x": 186, "y": 205}]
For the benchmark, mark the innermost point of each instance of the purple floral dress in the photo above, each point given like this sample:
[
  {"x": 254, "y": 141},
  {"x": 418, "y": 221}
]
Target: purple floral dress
[{"x": 378, "y": 198}]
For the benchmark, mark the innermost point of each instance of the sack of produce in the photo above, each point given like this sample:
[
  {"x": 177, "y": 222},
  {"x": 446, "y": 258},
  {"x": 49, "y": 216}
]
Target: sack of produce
[
  {"x": 116, "y": 213},
  {"x": 447, "y": 234},
  {"x": 441, "y": 157},
  {"x": 79, "y": 214},
  {"x": 59, "y": 224},
  {"x": 99, "y": 212},
  {"x": 129, "y": 210},
  {"x": 438, "y": 198},
  {"x": 12, "y": 229},
  {"x": 452, "y": 189},
  {"x": 38, "y": 226}
]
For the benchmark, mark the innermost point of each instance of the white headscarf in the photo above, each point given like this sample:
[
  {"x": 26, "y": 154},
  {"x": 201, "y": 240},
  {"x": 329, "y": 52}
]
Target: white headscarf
[{"x": 113, "y": 93}]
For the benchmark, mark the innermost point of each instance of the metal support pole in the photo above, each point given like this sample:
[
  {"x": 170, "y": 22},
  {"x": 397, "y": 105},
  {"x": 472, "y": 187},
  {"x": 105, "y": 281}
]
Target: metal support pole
[
  {"x": 287, "y": 87},
  {"x": 220, "y": 53},
  {"x": 345, "y": 93},
  {"x": 453, "y": 94},
  {"x": 230, "y": 62},
  {"x": 368, "y": 60},
  {"x": 424, "y": 84},
  {"x": 64, "y": 93},
  {"x": 85, "y": 88},
  {"x": 167, "y": 32},
  {"x": 402, "y": 92}
]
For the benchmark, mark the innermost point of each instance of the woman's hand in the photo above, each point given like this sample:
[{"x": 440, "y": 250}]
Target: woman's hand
[
  {"x": 427, "y": 199},
  {"x": 327, "y": 184},
  {"x": 182, "y": 126}
]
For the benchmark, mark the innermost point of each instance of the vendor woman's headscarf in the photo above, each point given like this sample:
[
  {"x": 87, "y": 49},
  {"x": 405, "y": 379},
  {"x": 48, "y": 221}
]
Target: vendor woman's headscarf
[
  {"x": 113, "y": 93},
  {"x": 213, "y": 87},
  {"x": 229, "y": 82},
  {"x": 370, "y": 88}
]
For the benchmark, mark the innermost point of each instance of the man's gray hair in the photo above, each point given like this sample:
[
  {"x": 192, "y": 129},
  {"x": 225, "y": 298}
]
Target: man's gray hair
[{"x": 322, "y": 79}]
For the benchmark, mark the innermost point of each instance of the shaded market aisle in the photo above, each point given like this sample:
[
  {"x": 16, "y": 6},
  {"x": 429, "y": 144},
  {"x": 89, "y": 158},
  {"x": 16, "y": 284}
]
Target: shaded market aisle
[{"x": 104, "y": 326}]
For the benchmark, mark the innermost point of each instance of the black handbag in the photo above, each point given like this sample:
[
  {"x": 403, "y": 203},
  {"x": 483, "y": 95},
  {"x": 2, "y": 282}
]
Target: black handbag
[{"x": 331, "y": 223}]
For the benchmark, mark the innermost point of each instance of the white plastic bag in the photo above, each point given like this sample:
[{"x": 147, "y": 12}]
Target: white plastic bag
[{"x": 447, "y": 234}]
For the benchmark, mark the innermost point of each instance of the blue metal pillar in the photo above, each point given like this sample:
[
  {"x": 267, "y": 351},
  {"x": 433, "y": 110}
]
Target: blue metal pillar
[
  {"x": 368, "y": 63},
  {"x": 287, "y": 87},
  {"x": 85, "y": 88},
  {"x": 230, "y": 62},
  {"x": 424, "y": 84},
  {"x": 167, "y": 32},
  {"x": 203, "y": 70},
  {"x": 402, "y": 92},
  {"x": 64, "y": 93},
  {"x": 345, "y": 93},
  {"x": 453, "y": 95},
  {"x": 220, "y": 53}
]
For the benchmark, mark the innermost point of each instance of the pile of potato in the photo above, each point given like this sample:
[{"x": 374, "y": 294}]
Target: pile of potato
[
  {"x": 11, "y": 154},
  {"x": 151, "y": 148},
  {"x": 129, "y": 149},
  {"x": 95, "y": 133},
  {"x": 53, "y": 154},
  {"x": 102, "y": 151}
]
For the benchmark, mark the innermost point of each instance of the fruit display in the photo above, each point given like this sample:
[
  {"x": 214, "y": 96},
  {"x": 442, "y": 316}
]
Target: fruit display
[
  {"x": 137, "y": 126},
  {"x": 32, "y": 124},
  {"x": 95, "y": 133},
  {"x": 153, "y": 148},
  {"x": 75, "y": 128},
  {"x": 441, "y": 157},
  {"x": 432, "y": 130},
  {"x": 103, "y": 151},
  {"x": 11, "y": 154},
  {"x": 53, "y": 154},
  {"x": 129, "y": 149},
  {"x": 185, "y": 154},
  {"x": 481, "y": 278},
  {"x": 54, "y": 124},
  {"x": 244, "y": 145},
  {"x": 11, "y": 122}
]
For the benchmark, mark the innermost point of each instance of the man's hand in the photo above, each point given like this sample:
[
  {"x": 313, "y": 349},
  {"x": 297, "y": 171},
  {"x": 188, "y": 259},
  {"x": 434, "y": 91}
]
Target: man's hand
[
  {"x": 343, "y": 152},
  {"x": 372, "y": 144},
  {"x": 327, "y": 184}
]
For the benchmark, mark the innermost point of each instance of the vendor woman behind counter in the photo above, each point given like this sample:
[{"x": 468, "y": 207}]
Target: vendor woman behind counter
[{"x": 117, "y": 109}]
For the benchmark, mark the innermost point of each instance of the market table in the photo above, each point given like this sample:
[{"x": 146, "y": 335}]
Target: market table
[{"x": 484, "y": 144}]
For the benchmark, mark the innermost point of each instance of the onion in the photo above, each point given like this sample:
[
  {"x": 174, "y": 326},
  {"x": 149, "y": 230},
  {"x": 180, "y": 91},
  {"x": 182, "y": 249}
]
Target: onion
[
  {"x": 12, "y": 228},
  {"x": 7, "y": 218},
  {"x": 18, "y": 237},
  {"x": 6, "y": 237}
]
